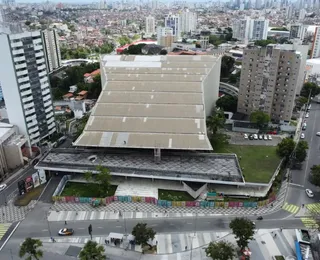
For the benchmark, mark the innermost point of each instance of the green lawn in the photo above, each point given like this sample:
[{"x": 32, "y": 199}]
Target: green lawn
[
  {"x": 258, "y": 162},
  {"x": 172, "y": 195},
  {"x": 80, "y": 189}
]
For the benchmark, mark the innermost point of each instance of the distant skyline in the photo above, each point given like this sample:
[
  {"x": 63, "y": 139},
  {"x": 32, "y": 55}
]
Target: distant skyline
[{"x": 92, "y": 2}]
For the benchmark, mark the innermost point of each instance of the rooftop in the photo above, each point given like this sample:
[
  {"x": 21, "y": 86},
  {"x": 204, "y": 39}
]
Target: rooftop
[
  {"x": 150, "y": 102},
  {"x": 197, "y": 167}
]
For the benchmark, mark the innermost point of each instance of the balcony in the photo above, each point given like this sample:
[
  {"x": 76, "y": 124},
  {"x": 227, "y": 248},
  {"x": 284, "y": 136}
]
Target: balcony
[
  {"x": 32, "y": 123},
  {"x": 31, "y": 118},
  {"x": 47, "y": 97},
  {"x": 48, "y": 103},
  {"x": 16, "y": 44},
  {"x": 30, "y": 111},
  {"x": 52, "y": 131},
  {"x": 25, "y": 86},
  {"x": 34, "y": 141},
  {"x": 43, "y": 80},
  {"x": 52, "y": 125},
  {"x": 50, "y": 120},
  {"x": 39, "y": 54},
  {"x": 27, "y": 99},
  {"x": 33, "y": 130},
  {"x": 22, "y": 73},
  {"x": 40, "y": 61},
  {"x": 34, "y": 136},
  {"x": 17, "y": 52},
  {"x": 21, "y": 66},
  {"x": 37, "y": 41},
  {"x": 44, "y": 85},
  {"x": 45, "y": 92},
  {"x": 19, "y": 59},
  {"x": 38, "y": 47},
  {"x": 25, "y": 93},
  {"x": 24, "y": 79},
  {"x": 29, "y": 105},
  {"x": 43, "y": 73},
  {"x": 42, "y": 67}
]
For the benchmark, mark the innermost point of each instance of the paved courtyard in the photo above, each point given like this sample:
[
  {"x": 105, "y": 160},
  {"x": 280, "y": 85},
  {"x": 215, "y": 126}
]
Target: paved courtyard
[{"x": 11, "y": 213}]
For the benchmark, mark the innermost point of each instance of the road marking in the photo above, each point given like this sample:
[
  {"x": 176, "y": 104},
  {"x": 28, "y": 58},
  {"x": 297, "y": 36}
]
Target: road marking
[
  {"x": 314, "y": 208},
  {"x": 44, "y": 230},
  {"x": 118, "y": 226},
  {"x": 189, "y": 223},
  {"x": 295, "y": 184},
  {"x": 309, "y": 223},
  {"x": 291, "y": 208},
  {"x": 81, "y": 228},
  {"x": 100, "y": 227}
]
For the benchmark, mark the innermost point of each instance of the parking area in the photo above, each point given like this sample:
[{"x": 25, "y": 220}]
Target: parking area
[{"x": 238, "y": 138}]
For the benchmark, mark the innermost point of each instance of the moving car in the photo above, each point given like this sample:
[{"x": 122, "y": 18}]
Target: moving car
[
  {"x": 302, "y": 136},
  {"x": 309, "y": 193},
  {"x": 255, "y": 137},
  {"x": 318, "y": 133},
  {"x": 307, "y": 115},
  {"x": 3, "y": 186},
  {"x": 66, "y": 232},
  {"x": 245, "y": 136}
]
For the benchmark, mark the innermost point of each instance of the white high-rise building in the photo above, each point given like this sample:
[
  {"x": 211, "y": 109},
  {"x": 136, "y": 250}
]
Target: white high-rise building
[
  {"x": 150, "y": 25},
  {"x": 302, "y": 14},
  {"x": 51, "y": 49},
  {"x": 250, "y": 29},
  {"x": 25, "y": 85},
  {"x": 154, "y": 4},
  {"x": 315, "y": 50},
  {"x": 173, "y": 22},
  {"x": 188, "y": 21}
]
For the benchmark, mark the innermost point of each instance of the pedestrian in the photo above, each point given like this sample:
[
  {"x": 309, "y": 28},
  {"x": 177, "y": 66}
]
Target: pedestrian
[
  {"x": 65, "y": 222},
  {"x": 275, "y": 235},
  {"x": 281, "y": 229},
  {"x": 302, "y": 205},
  {"x": 186, "y": 248},
  {"x": 136, "y": 208}
]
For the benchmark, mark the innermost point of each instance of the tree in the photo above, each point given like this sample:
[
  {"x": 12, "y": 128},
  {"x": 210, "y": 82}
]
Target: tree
[
  {"x": 92, "y": 251},
  {"x": 87, "y": 176},
  {"x": 227, "y": 63},
  {"x": 315, "y": 175},
  {"x": 260, "y": 118},
  {"x": 31, "y": 247},
  {"x": 301, "y": 101},
  {"x": 103, "y": 178},
  {"x": 310, "y": 86},
  {"x": 264, "y": 43},
  {"x": 142, "y": 234},
  {"x": 301, "y": 151},
  {"x": 216, "y": 121},
  {"x": 243, "y": 229},
  {"x": 228, "y": 103},
  {"x": 285, "y": 147},
  {"x": 221, "y": 250}
]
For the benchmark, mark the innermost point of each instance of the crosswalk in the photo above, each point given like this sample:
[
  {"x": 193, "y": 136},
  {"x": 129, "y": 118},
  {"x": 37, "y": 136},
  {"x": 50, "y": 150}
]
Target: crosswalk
[
  {"x": 314, "y": 208},
  {"x": 291, "y": 208},
  {"x": 309, "y": 223},
  {"x": 3, "y": 229}
]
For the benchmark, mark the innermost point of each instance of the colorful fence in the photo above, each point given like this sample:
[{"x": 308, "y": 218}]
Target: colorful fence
[{"x": 167, "y": 204}]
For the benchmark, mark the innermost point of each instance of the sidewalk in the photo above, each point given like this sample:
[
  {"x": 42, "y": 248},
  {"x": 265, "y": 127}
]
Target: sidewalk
[
  {"x": 82, "y": 211},
  {"x": 264, "y": 246}
]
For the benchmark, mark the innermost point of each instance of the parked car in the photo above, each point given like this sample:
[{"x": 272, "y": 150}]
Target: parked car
[
  {"x": 245, "y": 136},
  {"x": 3, "y": 186},
  {"x": 318, "y": 133},
  {"x": 302, "y": 136},
  {"x": 269, "y": 137},
  {"x": 260, "y": 137},
  {"x": 251, "y": 137},
  {"x": 255, "y": 137},
  {"x": 309, "y": 193},
  {"x": 307, "y": 115},
  {"x": 265, "y": 137}
]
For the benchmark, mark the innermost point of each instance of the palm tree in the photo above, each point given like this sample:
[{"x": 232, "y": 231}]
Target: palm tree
[
  {"x": 215, "y": 121},
  {"x": 92, "y": 251},
  {"x": 30, "y": 247}
]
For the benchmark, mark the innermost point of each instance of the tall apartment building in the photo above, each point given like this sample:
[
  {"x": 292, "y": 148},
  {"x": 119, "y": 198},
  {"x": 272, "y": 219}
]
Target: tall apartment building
[
  {"x": 269, "y": 81},
  {"x": 165, "y": 36},
  {"x": 315, "y": 50},
  {"x": 150, "y": 25},
  {"x": 51, "y": 49},
  {"x": 173, "y": 22},
  {"x": 25, "y": 85},
  {"x": 298, "y": 31},
  {"x": 188, "y": 21},
  {"x": 248, "y": 29}
]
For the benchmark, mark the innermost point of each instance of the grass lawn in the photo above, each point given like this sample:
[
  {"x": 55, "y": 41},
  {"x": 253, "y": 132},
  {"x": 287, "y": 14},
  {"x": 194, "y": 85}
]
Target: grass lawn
[
  {"x": 80, "y": 189},
  {"x": 33, "y": 194},
  {"x": 172, "y": 195},
  {"x": 258, "y": 162}
]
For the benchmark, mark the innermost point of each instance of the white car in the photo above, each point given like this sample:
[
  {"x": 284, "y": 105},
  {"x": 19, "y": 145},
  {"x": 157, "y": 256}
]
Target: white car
[
  {"x": 3, "y": 186},
  {"x": 265, "y": 137},
  {"x": 318, "y": 133},
  {"x": 245, "y": 136},
  {"x": 302, "y": 136},
  {"x": 269, "y": 137},
  {"x": 307, "y": 115},
  {"x": 309, "y": 193},
  {"x": 255, "y": 137}
]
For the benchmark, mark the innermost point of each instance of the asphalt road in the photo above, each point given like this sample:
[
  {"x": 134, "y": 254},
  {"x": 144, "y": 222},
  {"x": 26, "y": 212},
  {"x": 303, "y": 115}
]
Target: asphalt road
[
  {"x": 168, "y": 225},
  {"x": 300, "y": 178}
]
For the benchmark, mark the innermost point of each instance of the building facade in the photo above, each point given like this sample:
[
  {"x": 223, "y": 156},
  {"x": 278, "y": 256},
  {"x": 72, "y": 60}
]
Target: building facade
[
  {"x": 188, "y": 21},
  {"x": 173, "y": 22},
  {"x": 248, "y": 29},
  {"x": 298, "y": 31},
  {"x": 315, "y": 50},
  {"x": 25, "y": 85},
  {"x": 150, "y": 25},
  {"x": 269, "y": 82},
  {"x": 51, "y": 49},
  {"x": 165, "y": 37}
]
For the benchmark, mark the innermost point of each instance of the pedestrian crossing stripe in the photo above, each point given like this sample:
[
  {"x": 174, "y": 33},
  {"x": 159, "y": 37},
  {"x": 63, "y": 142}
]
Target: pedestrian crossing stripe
[
  {"x": 291, "y": 208},
  {"x": 314, "y": 208},
  {"x": 309, "y": 223},
  {"x": 3, "y": 229}
]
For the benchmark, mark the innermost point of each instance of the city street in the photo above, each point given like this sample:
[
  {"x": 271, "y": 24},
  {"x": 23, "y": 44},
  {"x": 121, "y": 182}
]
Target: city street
[{"x": 300, "y": 178}]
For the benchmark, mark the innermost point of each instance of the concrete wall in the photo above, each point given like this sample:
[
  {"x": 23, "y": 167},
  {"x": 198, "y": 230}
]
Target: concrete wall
[
  {"x": 13, "y": 156},
  {"x": 194, "y": 194}
]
